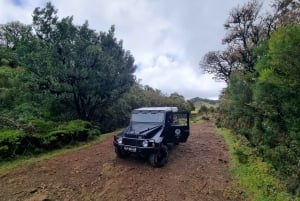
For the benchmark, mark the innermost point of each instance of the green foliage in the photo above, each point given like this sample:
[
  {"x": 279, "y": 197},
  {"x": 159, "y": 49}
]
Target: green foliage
[
  {"x": 76, "y": 130},
  {"x": 86, "y": 71},
  {"x": 203, "y": 109},
  {"x": 235, "y": 106},
  {"x": 261, "y": 66},
  {"x": 4, "y": 62},
  {"x": 39, "y": 126},
  {"x": 9, "y": 85},
  {"x": 10, "y": 142},
  {"x": 264, "y": 106},
  {"x": 197, "y": 118},
  {"x": 29, "y": 159},
  {"x": 40, "y": 135},
  {"x": 278, "y": 77},
  {"x": 70, "y": 71},
  {"x": 254, "y": 174}
]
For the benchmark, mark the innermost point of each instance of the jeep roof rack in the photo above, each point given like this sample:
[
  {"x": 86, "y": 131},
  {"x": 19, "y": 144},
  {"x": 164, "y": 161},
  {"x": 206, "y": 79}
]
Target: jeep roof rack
[{"x": 173, "y": 109}]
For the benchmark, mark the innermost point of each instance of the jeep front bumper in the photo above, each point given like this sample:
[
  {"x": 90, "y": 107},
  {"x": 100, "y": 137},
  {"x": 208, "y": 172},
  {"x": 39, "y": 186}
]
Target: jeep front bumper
[{"x": 144, "y": 147}]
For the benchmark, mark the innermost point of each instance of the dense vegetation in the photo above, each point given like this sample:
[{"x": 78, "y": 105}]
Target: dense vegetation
[
  {"x": 261, "y": 66},
  {"x": 61, "y": 83}
]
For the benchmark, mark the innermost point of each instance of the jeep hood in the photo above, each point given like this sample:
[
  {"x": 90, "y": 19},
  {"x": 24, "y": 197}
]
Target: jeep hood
[{"x": 142, "y": 130}]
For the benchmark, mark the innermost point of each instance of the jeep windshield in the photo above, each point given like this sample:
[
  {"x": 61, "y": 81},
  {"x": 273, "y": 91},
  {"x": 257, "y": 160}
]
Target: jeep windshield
[{"x": 148, "y": 117}]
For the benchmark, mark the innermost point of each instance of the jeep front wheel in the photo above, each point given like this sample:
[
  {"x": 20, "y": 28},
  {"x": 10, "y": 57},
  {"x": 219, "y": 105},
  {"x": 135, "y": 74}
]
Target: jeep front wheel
[
  {"x": 160, "y": 158},
  {"x": 121, "y": 153}
]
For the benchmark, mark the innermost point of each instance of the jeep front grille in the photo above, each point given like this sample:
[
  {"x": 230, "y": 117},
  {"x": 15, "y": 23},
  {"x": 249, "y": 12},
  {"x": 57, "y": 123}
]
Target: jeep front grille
[{"x": 132, "y": 142}]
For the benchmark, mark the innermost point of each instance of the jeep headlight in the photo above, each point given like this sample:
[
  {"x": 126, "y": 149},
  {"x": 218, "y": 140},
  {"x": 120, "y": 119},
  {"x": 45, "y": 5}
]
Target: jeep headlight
[
  {"x": 151, "y": 143},
  {"x": 120, "y": 140},
  {"x": 145, "y": 143}
]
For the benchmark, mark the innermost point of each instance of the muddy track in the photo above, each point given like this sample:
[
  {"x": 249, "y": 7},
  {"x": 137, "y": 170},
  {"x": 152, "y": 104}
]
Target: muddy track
[{"x": 197, "y": 170}]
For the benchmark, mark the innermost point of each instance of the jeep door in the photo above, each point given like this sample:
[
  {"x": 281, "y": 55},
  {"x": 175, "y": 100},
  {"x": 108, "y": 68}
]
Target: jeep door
[{"x": 180, "y": 128}]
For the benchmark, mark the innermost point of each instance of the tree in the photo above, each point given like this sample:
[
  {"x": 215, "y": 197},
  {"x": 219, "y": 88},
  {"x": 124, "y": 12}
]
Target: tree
[
  {"x": 276, "y": 99},
  {"x": 13, "y": 34},
  {"x": 221, "y": 64},
  {"x": 284, "y": 12},
  {"x": 246, "y": 29},
  {"x": 243, "y": 34},
  {"x": 83, "y": 70},
  {"x": 203, "y": 109},
  {"x": 45, "y": 21},
  {"x": 279, "y": 71},
  {"x": 13, "y": 37}
]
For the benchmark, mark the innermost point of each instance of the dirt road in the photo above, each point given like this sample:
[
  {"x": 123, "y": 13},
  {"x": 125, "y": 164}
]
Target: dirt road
[{"x": 197, "y": 170}]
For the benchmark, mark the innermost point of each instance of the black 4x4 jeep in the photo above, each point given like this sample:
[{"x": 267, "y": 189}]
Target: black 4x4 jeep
[{"x": 150, "y": 130}]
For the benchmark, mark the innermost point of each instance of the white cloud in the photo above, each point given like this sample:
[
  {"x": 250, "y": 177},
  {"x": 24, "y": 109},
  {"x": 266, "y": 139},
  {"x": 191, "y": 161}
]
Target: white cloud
[
  {"x": 173, "y": 75},
  {"x": 11, "y": 12},
  {"x": 167, "y": 38}
]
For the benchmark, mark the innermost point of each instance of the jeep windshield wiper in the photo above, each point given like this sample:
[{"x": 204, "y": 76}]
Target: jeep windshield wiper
[{"x": 148, "y": 129}]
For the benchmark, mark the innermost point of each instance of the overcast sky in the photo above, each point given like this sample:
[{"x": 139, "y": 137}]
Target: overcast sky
[{"x": 167, "y": 38}]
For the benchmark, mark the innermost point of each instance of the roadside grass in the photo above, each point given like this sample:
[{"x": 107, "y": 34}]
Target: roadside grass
[
  {"x": 254, "y": 175},
  {"x": 29, "y": 159},
  {"x": 197, "y": 119},
  {"x": 199, "y": 104}
]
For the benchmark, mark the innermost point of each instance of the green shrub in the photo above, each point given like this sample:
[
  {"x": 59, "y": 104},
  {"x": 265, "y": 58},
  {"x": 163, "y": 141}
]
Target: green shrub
[
  {"x": 4, "y": 62},
  {"x": 241, "y": 155},
  {"x": 93, "y": 133},
  {"x": 68, "y": 133},
  {"x": 39, "y": 135},
  {"x": 10, "y": 142},
  {"x": 39, "y": 126},
  {"x": 77, "y": 125},
  {"x": 51, "y": 140},
  {"x": 77, "y": 129},
  {"x": 257, "y": 176}
]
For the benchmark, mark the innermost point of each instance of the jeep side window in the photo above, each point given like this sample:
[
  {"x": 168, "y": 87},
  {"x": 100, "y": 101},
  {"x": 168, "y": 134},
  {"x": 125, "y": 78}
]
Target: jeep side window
[
  {"x": 180, "y": 120},
  {"x": 175, "y": 120}
]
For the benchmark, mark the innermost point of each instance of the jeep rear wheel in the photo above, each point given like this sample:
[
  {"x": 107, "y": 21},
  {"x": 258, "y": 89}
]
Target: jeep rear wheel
[
  {"x": 160, "y": 158},
  {"x": 121, "y": 153}
]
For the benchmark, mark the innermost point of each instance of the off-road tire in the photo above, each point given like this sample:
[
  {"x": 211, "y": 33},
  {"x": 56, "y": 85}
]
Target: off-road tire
[
  {"x": 142, "y": 157},
  {"x": 121, "y": 153},
  {"x": 160, "y": 158}
]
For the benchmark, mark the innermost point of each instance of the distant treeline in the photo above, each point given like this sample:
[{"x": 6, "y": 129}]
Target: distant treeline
[
  {"x": 261, "y": 65},
  {"x": 61, "y": 83},
  {"x": 204, "y": 100}
]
